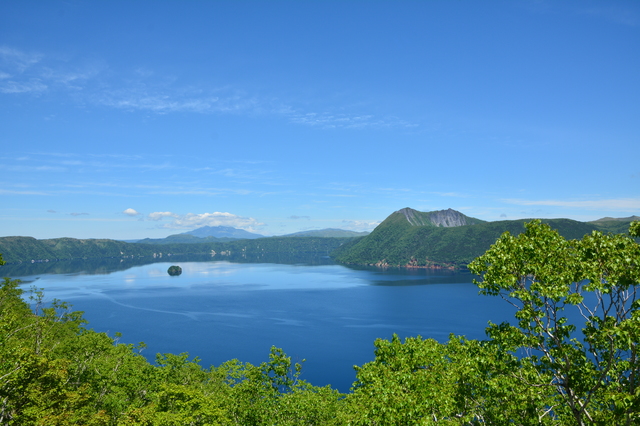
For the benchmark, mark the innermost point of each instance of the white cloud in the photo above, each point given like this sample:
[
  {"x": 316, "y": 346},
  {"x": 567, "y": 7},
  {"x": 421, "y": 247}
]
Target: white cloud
[
  {"x": 21, "y": 168},
  {"x": 17, "y": 59},
  {"x": 22, "y": 192},
  {"x": 131, "y": 212},
  {"x": 193, "y": 220},
  {"x": 68, "y": 78},
  {"x": 32, "y": 86},
  {"x": 353, "y": 121},
  {"x": 18, "y": 79},
  {"x": 626, "y": 204},
  {"x": 450, "y": 194},
  {"x": 360, "y": 225},
  {"x": 34, "y": 73},
  {"x": 158, "y": 103},
  {"x": 619, "y": 14},
  {"x": 161, "y": 215},
  {"x": 163, "y": 99}
]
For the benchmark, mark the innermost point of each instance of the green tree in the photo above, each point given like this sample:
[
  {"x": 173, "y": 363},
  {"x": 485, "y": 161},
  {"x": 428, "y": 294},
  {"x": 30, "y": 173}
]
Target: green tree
[
  {"x": 272, "y": 393},
  {"x": 594, "y": 370},
  {"x": 424, "y": 382},
  {"x": 35, "y": 383},
  {"x": 54, "y": 371}
]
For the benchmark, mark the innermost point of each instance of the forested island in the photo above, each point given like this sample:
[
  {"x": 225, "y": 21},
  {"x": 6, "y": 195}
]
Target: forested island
[{"x": 55, "y": 370}]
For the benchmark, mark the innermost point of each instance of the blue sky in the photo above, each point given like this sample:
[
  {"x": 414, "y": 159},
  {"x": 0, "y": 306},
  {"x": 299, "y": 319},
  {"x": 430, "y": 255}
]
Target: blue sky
[{"x": 133, "y": 119}]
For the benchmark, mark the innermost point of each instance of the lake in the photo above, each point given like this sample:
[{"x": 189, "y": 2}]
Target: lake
[{"x": 328, "y": 314}]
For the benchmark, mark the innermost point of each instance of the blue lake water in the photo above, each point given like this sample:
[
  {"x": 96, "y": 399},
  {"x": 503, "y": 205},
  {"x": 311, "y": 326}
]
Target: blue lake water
[{"x": 329, "y": 315}]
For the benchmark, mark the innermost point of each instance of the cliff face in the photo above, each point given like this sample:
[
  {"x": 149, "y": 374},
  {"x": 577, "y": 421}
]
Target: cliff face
[
  {"x": 441, "y": 218},
  {"x": 414, "y": 217}
]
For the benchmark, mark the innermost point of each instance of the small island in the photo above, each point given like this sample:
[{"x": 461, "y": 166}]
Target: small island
[{"x": 174, "y": 270}]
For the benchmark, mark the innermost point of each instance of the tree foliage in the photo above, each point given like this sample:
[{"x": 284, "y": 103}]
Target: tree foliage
[
  {"x": 55, "y": 371},
  {"x": 593, "y": 370}
]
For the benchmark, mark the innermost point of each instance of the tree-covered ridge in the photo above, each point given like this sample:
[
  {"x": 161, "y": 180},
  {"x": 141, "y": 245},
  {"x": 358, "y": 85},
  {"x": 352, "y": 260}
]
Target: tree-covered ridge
[
  {"x": 408, "y": 238},
  {"x": 26, "y": 249},
  {"x": 541, "y": 371},
  {"x": 328, "y": 233},
  {"x": 195, "y": 238},
  {"x": 614, "y": 225}
]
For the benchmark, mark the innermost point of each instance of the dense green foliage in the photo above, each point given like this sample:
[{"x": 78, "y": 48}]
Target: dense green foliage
[
  {"x": 593, "y": 379},
  {"x": 54, "y": 371},
  {"x": 547, "y": 369}
]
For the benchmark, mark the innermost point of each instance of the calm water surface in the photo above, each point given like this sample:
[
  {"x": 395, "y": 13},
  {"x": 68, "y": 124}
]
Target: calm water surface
[{"x": 329, "y": 315}]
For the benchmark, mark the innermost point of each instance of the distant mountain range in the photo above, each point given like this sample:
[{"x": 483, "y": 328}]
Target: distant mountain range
[
  {"x": 328, "y": 233},
  {"x": 448, "y": 238},
  {"x": 270, "y": 249},
  {"x": 407, "y": 238},
  {"x": 223, "y": 232},
  {"x": 203, "y": 235},
  {"x": 228, "y": 233},
  {"x": 215, "y": 241}
]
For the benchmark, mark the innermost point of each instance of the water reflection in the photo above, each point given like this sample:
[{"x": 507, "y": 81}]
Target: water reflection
[{"x": 109, "y": 265}]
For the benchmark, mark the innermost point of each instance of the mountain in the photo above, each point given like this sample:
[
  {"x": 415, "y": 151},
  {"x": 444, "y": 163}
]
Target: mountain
[
  {"x": 441, "y": 218},
  {"x": 180, "y": 239},
  {"x": 328, "y": 233},
  {"x": 223, "y": 232},
  {"x": 615, "y": 225},
  {"x": 444, "y": 238},
  {"x": 226, "y": 233}
]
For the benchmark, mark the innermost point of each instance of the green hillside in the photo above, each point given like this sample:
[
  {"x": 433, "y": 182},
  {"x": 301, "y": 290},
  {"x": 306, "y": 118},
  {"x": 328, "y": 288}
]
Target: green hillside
[
  {"x": 328, "y": 233},
  {"x": 411, "y": 238},
  {"x": 615, "y": 225},
  {"x": 28, "y": 249}
]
